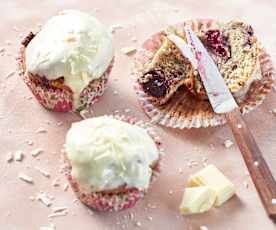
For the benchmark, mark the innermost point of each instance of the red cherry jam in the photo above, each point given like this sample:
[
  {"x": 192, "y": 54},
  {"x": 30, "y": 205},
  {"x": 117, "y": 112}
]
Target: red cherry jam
[
  {"x": 156, "y": 85},
  {"x": 217, "y": 43}
]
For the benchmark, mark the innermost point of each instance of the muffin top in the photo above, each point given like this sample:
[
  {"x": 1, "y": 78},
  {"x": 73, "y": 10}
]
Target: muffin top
[
  {"x": 73, "y": 45},
  {"x": 106, "y": 153}
]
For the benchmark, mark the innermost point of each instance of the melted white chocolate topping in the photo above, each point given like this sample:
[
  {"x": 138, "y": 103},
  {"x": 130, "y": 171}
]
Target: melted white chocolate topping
[
  {"x": 73, "y": 45},
  {"x": 106, "y": 153}
]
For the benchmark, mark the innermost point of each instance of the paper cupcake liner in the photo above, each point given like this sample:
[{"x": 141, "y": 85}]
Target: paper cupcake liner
[
  {"x": 60, "y": 99},
  {"x": 184, "y": 110},
  {"x": 120, "y": 200}
]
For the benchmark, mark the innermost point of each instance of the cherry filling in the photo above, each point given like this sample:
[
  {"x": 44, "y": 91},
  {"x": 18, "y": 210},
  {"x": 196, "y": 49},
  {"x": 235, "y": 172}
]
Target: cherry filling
[
  {"x": 156, "y": 84},
  {"x": 217, "y": 43}
]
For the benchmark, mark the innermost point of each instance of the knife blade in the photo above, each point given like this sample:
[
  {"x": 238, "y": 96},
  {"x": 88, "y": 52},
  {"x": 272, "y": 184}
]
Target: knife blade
[
  {"x": 218, "y": 93},
  {"x": 222, "y": 101}
]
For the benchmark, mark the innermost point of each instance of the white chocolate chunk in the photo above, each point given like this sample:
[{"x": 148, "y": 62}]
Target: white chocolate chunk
[
  {"x": 211, "y": 176},
  {"x": 197, "y": 200}
]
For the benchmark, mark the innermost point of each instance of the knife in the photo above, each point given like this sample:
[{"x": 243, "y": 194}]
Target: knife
[{"x": 223, "y": 102}]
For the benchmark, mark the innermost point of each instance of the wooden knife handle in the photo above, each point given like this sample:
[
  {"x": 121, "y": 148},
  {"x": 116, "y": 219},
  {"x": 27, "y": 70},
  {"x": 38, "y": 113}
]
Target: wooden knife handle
[{"x": 257, "y": 167}]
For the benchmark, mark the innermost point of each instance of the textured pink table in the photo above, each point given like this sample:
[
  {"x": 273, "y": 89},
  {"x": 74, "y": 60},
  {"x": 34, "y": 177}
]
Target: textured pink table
[{"x": 20, "y": 117}]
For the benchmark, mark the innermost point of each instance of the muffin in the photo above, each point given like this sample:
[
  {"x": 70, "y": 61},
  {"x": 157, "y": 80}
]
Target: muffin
[
  {"x": 168, "y": 85},
  {"x": 168, "y": 71},
  {"x": 111, "y": 162},
  {"x": 233, "y": 46},
  {"x": 67, "y": 63}
]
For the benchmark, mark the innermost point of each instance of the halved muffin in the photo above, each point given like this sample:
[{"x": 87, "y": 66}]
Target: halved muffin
[
  {"x": 110, "y": 161},
  {"x": 233, "y": 46}
]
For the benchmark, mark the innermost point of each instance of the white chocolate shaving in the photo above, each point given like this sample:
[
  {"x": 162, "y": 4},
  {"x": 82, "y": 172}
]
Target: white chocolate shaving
[{"x": 25, "y": 178}]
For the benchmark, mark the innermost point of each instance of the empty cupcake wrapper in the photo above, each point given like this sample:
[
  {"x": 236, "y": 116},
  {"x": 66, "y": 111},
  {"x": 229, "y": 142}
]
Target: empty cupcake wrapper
[
  {"x": 101, "y": 201},
  {"x": 184, "y": 110},
  {"x": 61, "y": 99}
]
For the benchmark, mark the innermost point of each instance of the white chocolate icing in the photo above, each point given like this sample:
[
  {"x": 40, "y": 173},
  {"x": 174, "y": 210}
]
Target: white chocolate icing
[
  {"x": 73, "y": 45},
  {"x": 106, "y": 153}
]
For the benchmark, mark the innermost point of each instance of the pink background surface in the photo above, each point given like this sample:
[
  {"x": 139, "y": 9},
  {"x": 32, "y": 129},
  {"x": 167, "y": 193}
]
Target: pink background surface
[{"x": 20, "y": 117}]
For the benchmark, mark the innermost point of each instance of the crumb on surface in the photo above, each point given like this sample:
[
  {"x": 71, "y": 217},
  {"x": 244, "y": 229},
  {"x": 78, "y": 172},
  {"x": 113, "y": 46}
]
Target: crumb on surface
[
  {"x": 128, "y": 50},
  {"x": 10, "y": 74},
  {"x": 9, "y": 157},
  {"x": 43, "y": 172},
  {"x": 18, "y": 155},
  {"x": 228, "y": 143},
  {"x": 37, "y": 152},
  {"x": 25, "y": 178},
  {"x": 62, "y": 213},
  {"x": 115, "y": 27},
  {"x": 41, "y": 130},
  {"x": 44, "y": 199}
]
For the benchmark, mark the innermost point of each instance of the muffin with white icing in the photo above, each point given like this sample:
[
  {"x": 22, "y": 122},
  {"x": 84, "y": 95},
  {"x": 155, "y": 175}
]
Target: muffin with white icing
[
  {"x": 111, "y": 162},
  {"x": 67, "y": 63}
]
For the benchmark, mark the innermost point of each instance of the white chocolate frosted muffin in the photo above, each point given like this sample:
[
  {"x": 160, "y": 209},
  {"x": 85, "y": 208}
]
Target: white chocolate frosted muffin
[
  {"x": 107, "y": 155},
  {"x": 73, "y": 46}
]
